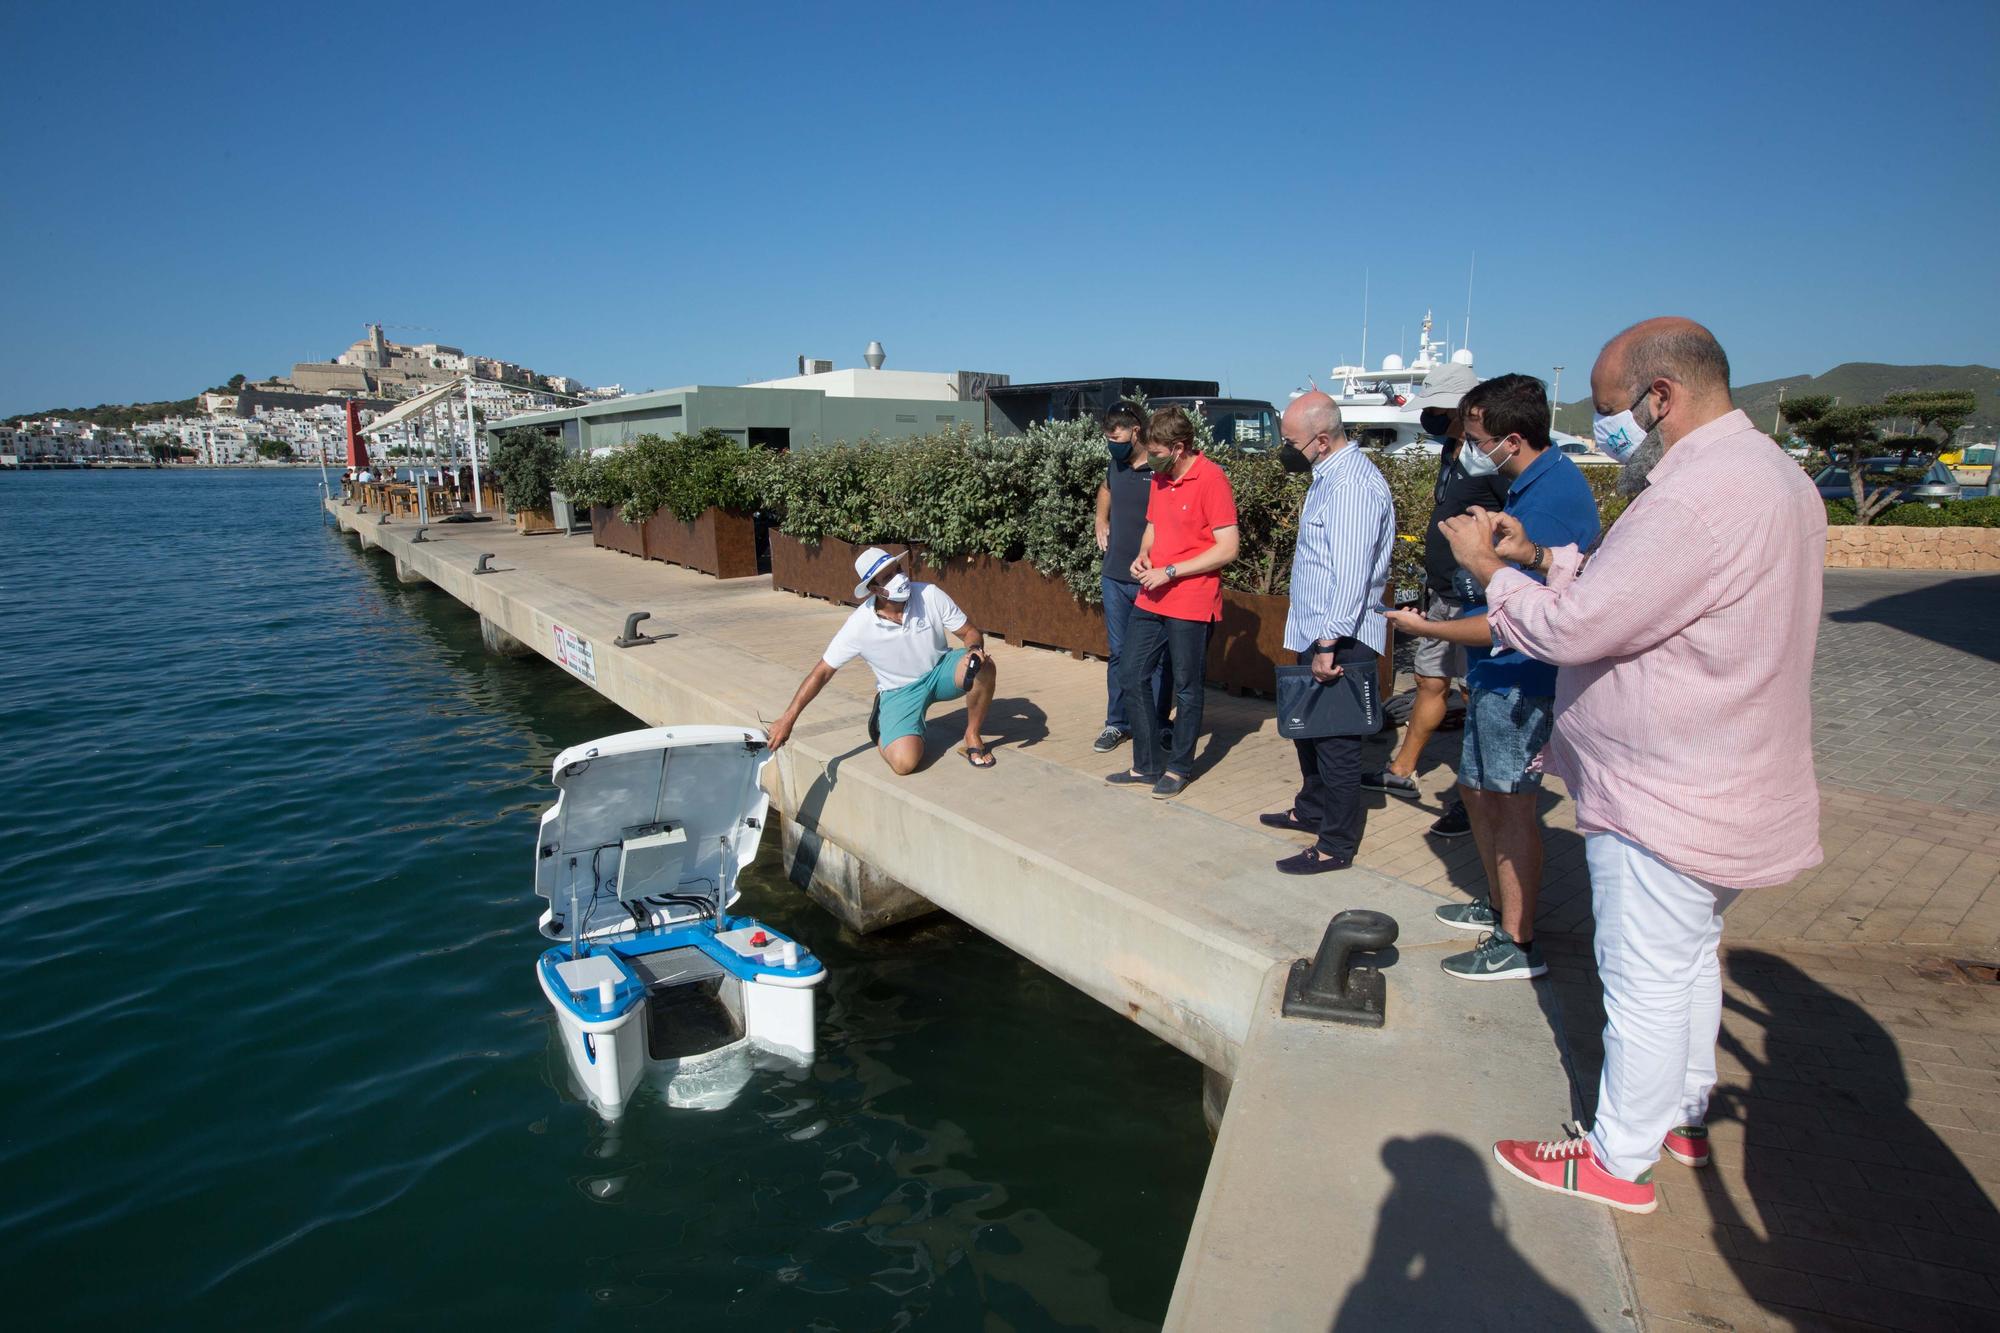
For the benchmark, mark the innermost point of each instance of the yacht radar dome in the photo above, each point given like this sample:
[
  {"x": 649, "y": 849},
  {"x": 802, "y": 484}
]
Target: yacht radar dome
[
  {"x": 1392, "y": 362},
  {"x": 1462, "y": 357}
]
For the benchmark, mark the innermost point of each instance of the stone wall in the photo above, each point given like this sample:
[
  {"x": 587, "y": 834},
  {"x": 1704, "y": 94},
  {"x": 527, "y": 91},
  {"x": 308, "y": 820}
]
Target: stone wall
[{"x": 1893, "y": 547}]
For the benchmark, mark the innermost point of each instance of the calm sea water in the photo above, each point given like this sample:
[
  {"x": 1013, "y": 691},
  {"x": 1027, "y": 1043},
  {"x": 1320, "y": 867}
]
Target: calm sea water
[{"x": 271, "y": 1050}]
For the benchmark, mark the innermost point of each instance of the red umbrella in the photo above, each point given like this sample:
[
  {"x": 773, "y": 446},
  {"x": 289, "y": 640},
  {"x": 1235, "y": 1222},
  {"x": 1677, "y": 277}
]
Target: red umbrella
[{"x": 357, "y": 452}]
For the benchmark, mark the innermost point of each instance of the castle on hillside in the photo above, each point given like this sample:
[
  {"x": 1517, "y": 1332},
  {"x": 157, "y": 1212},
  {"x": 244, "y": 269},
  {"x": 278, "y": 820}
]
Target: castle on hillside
[{"x": 373, "y": 366}]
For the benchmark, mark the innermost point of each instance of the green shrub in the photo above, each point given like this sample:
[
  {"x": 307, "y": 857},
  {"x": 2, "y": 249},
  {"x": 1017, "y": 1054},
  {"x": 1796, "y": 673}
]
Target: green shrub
[
  {"x": 1977, "y": 513},
  {"x": 525, "y": 460},
  {"x": 684, "y": 475},
  {"x": 582, "y": 479},
  {"x": 1063, "y": 471}
]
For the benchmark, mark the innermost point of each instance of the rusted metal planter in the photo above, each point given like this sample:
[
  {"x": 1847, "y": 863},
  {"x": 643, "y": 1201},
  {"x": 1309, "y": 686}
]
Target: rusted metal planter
[
  {"x": 614, "y": 533},
  {"x": 823, "y": 569},
  {"x": 1018, "y": 602},
  {"x": 722, "y": 542},
  {"x": 1248, "y": 645}
]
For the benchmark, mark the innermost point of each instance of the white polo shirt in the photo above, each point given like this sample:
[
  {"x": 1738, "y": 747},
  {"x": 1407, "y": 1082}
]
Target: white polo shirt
[{"x": 900, "y": 654}]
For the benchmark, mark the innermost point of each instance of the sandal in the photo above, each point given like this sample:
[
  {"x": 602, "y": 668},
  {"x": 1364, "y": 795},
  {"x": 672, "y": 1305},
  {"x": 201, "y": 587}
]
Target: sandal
[{"x": 974, "y": 753}]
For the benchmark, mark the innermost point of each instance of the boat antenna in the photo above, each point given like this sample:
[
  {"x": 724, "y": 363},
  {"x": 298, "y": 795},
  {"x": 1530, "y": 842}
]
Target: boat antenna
[
  {"x": 1471, "y": 263},
  {"x": 1364, "y": 319}
]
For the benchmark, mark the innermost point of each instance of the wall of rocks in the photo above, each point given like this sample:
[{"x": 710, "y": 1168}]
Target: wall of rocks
[{"x": 1913, "y": 548}]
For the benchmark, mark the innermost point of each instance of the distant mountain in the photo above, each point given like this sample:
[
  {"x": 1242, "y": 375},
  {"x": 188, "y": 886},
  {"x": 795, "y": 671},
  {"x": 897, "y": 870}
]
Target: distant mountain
[{"x": 1855, "y": 382}]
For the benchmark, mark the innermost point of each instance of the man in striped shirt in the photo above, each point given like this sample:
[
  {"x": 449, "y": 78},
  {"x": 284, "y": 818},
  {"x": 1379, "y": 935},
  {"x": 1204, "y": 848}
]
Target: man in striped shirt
[{"x": 1340, "y": 569}]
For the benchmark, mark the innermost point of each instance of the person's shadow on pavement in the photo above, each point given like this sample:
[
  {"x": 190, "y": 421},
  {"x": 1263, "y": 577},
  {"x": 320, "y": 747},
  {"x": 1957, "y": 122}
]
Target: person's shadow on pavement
[
  {"x": 1442, "y": 1258},
  {"x": 1833, "y": 1155}
]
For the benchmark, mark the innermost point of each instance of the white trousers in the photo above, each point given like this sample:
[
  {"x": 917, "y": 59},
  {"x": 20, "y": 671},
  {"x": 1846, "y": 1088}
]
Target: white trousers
[{"x": 1657, "y": 932}]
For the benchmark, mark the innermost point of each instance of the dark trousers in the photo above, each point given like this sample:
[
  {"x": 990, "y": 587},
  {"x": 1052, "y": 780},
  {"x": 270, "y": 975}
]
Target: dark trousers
[
  {"x": 1184, "y": 643},
  {"x": 1118, "y": 599},
  {"x": 1330, "y": 770}
]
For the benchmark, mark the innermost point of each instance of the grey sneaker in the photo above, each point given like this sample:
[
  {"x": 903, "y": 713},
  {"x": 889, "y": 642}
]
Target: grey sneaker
[
  {"x": 1497, "y": 958},
  {"x": 1476, "y": 916},
  {"x": 1107, "y": 740}
]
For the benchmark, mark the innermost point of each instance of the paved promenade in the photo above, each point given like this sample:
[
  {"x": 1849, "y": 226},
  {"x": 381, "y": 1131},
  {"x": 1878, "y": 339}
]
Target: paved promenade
[{"x": 1857, "y": 1152}]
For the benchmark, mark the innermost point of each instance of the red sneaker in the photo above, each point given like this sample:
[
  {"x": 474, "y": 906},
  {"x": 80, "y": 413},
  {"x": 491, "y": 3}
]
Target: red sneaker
[
  {"x": 1568, "y": 1166},
  {"x": 1687, "y": 1144}
]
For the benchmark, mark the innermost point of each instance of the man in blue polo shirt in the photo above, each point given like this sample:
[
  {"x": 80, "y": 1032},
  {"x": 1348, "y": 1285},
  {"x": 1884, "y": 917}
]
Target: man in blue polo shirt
[{"x": 1513, "y": 696}]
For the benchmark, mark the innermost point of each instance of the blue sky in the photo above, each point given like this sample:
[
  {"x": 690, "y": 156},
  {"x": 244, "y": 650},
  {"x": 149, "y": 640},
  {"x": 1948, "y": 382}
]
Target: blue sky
[{"x": 660, "y": 195}]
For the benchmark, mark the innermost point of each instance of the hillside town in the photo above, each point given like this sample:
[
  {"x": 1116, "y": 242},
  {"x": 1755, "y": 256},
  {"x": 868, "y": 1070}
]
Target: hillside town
[{"x": 297, "y": 417}]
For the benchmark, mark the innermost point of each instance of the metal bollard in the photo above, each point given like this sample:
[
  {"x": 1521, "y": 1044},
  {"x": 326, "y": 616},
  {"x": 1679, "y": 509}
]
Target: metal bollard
[
  {"x": 632, "y": 638},
  {"x": 1332, "y": 987},
  {"x": 380, "y": 519},
  {"x": 482, "y": 567},
  {"x": 420, "y": 536}
]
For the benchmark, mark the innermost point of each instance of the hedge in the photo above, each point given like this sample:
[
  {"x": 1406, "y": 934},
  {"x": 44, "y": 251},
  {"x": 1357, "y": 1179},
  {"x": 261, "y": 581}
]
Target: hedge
[
  {"x": 1029, "y": 497},
  {"x": 1981, "y": 513}
]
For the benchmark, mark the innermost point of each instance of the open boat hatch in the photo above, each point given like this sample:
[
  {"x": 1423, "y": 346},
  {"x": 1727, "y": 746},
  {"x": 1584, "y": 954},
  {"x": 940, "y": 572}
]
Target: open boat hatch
[
  {"x": 651, "y": 827},
  {"x": 638, "y": 859}
]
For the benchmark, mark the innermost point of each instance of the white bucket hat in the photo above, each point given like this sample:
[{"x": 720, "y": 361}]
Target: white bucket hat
[{"x": 868, "y": 564}]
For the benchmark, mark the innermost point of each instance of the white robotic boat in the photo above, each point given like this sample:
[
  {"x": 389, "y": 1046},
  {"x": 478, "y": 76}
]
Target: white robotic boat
[{"x": 653, "y": 981}]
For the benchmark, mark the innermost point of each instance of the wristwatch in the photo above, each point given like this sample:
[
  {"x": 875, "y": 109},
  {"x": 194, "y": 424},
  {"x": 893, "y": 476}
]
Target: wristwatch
[{"x": 1173, "y": 572}]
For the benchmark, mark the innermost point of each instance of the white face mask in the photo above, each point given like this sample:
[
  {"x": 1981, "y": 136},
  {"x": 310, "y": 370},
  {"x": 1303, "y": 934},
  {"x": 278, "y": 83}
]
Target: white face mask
[
  {"x": 1618, "y": 435},
  {"x": 897, "y": 589},
  {"x": 1474, "y": 461}
]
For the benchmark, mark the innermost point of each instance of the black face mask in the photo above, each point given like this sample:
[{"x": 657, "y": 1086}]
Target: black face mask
[
  {"x": 1120, "y": 453},
  {"x": 1292, "y": 460}
]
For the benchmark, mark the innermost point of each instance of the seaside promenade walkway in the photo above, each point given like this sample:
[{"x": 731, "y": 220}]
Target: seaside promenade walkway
[{"x": 1856, "y": 1156}]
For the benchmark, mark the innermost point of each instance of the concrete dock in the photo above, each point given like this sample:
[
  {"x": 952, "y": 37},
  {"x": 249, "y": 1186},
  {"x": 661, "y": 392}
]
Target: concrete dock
[{"x": 1344, "y": 1153}]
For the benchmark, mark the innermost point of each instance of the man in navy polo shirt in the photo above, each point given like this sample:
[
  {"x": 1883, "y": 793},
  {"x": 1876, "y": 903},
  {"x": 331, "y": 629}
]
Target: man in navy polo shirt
[
  {"x": 1513, "y": 696},
  {"x": 1121, "y": 523}
]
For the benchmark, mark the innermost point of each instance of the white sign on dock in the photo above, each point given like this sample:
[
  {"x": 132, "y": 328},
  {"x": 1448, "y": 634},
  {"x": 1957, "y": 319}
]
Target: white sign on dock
[{"x": 573, "y": 653}]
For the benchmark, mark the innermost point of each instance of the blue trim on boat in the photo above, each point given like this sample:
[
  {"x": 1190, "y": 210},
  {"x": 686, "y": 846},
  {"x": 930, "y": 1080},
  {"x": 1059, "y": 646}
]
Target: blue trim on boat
[{"x": 699, "y": 935}]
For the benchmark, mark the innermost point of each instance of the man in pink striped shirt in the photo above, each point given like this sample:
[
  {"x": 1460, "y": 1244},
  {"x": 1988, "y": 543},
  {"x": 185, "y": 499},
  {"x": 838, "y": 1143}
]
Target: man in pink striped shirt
[{"x": 1683, "y": 727}]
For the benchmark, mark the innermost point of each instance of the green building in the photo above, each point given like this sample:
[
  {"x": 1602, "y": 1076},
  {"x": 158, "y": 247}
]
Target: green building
[{"x": 769, "y": 417}]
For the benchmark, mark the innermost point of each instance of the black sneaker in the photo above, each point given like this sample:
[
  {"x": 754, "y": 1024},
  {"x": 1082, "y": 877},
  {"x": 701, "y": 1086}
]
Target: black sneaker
[
  {"x": 1170, "y": 784},
  {"x": 1393, "y": 783},
  {"x": 1108, "y": 740},
  {"x": 1454, "y": 822}
]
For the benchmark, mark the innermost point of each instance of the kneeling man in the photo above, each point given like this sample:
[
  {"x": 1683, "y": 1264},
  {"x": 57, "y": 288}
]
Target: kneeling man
[{"x": 899, "y": 630}]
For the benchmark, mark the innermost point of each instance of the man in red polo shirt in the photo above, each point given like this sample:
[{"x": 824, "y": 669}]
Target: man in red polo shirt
[{"x": 1190, "y": 535}]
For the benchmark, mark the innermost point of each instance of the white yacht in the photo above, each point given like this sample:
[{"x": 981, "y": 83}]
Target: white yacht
[
  {"x": 1379, "y": 407},
  {"x": 652, "y": 979}
]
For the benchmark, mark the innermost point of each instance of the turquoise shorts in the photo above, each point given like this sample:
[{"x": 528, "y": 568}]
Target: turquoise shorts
[{"x": 902, "y": 709}]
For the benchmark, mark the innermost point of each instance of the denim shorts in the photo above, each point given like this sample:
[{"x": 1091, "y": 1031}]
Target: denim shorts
[
  {"x": 1505, "y": 731},
  {"x": 903, "y": 708}
]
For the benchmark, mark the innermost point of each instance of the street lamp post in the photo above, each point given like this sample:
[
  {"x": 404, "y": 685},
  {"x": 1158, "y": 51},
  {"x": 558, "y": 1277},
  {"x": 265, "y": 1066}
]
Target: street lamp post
[{"x": 1556, "y": 395}]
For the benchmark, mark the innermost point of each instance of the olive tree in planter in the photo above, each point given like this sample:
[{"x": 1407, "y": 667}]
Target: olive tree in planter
[{"x": 526, "y": 461}]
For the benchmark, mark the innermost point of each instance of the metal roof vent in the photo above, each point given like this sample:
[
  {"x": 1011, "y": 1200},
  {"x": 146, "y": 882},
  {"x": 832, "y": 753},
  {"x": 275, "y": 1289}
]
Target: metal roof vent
[{"x": 873, "y": 356}]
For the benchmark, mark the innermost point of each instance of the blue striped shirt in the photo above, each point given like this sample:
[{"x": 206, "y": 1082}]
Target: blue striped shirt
[{"x": 1340, "y": 567}]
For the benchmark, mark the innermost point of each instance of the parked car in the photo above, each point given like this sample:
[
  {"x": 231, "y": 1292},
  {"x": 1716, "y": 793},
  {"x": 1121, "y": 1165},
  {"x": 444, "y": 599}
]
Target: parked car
[
  {"x": 1916, "y": 482},
  {"x": 1580, "y": 452},
  {"x": 1251, "y": 424}
]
